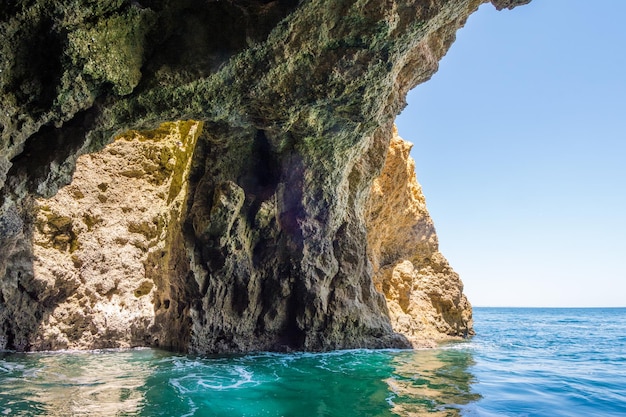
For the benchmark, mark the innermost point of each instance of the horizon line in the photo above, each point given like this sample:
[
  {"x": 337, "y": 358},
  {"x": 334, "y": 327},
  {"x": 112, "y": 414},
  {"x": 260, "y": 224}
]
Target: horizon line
[{"x": 503, "y": 306}]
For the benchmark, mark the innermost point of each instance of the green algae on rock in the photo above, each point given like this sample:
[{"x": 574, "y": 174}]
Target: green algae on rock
[{"x": 297, "y": 100}]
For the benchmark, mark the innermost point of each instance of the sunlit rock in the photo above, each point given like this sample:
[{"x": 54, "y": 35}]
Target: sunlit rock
[
  {"x": 260, "y": 242},
  {"x": 424, "y": 295}
]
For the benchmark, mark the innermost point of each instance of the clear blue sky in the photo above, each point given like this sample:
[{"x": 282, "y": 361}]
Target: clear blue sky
[{"x": 520, "y": 147}]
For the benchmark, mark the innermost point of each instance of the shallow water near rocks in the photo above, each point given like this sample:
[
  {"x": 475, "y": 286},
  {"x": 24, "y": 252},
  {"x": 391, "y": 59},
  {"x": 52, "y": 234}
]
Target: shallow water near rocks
[{"x": 524, "y": 362}]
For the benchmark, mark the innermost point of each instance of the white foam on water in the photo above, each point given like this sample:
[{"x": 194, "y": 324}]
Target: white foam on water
[
  {"x": 177, "y": 383},
  {"x": 230, "y": 378},
  {"x": 243, "y": 377},
  {"x": 193, "y": 408},
  {"x": 9, "y": 367},
  {"x": 393, "y": 394},
  {"x": 85, "y": 351}
]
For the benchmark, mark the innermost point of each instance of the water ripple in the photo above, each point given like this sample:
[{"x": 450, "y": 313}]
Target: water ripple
[{"x": 524, "y": 362}]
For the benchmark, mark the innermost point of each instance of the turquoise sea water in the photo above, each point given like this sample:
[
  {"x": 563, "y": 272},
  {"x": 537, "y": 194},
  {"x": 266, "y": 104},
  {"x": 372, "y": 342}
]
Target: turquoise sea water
[{"x": 523, "y": 362}]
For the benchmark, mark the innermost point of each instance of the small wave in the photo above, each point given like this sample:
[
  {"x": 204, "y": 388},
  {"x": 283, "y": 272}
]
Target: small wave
[
  {"x": 9, "y": 367},
  {"x": 184, "y": 363},
  {"x": 177, "y": 384},
  {"x": 84, "y": 351},
  {"x": 569, "y": 320},
  {"x": 192, "y": 408},
  {"x": 233, "y": 377},
  {"x": 244, "y": 375},
  {"x": 332, "y": 353}
]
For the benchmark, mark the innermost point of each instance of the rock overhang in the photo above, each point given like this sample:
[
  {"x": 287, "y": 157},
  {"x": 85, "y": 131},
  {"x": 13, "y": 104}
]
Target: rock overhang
[{"x": 297, "y": 100}]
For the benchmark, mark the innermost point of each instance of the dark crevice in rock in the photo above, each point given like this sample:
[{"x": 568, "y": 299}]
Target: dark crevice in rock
[
  {"x": 31, "y": 294},
  {"x": 270, "y": 248},
  {"x": 206, "y": 35},
  {"x": 11, "y": 8},
  {"x": 262, "y": 175},
  {"x": 51, "y": 145},
  {"x": 9, "y": 336},
  {"x": 293, "y": 336},
  {"x": 214, "y": 257},
  {"x": 262, "y": 179},
  {"x": 240, "y": 298},
  {"x": 204, "y": 39},
  {"x": 40, "y": 68},
  {"x": 291, "y": 195}
]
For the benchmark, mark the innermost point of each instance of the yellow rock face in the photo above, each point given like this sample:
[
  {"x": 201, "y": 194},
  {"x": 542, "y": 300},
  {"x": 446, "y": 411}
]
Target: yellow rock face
[
  {"x": 265, "y": 245},
  {"x": 93, "y": 240},
  {"x": 424, "y": 295}
]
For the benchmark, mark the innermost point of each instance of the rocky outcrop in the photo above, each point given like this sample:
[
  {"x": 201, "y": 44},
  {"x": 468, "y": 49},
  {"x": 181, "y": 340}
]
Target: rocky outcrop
[
  {"x": 264, "y": 243},
  {"x": 98, "y": 244},
  {"x": 424, "y": 295}
]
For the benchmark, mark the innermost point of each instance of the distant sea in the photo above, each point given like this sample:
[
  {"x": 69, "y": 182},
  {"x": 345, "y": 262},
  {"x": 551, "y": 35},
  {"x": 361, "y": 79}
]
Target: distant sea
[{"x": 523, "y": 362}]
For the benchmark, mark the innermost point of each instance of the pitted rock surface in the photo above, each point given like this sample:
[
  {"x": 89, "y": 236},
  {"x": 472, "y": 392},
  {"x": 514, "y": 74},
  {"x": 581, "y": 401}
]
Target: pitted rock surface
[{"x": 261, "y": 241}]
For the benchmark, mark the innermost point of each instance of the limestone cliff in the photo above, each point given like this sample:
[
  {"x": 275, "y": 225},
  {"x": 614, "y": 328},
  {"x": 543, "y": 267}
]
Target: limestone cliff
[
  {"x": 257, "y": 238},
  {"x": 424, "y": 295},
  {"x": 98, "y": 244}
]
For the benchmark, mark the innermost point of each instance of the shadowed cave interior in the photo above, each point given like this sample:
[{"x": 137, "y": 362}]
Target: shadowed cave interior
[{"x": 287, "y": 218}]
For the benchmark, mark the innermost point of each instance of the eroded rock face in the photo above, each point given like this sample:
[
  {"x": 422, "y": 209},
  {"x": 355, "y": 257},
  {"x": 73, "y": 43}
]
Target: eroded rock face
[
  {"x": 92, "y": 277},
  {"x": 266, "y": 246},
  {"x": 424, "y": 295}
]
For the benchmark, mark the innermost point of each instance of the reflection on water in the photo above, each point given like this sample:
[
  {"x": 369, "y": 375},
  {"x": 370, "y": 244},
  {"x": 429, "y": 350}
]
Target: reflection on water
[
  {"x": 154, "y": 383},
  {"x": 432, "y": 382},
  {"x": 107, "y": 383}
]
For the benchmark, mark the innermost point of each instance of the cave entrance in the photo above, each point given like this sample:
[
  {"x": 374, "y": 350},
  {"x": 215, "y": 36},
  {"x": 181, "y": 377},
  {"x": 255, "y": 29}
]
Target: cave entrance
[
  {"x": 519, "y": 143},
  {"x": 102, "y": 240}
]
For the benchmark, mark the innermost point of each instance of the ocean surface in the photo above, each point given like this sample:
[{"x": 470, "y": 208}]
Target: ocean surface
[{"x": 523, "y": 362}]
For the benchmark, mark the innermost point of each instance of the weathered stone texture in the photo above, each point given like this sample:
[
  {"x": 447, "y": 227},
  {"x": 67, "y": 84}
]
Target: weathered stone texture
[
  {"x": 91, "y": 279},
  {"x": 268, "y": 247},
  {"x": 424, "y": 295}
]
